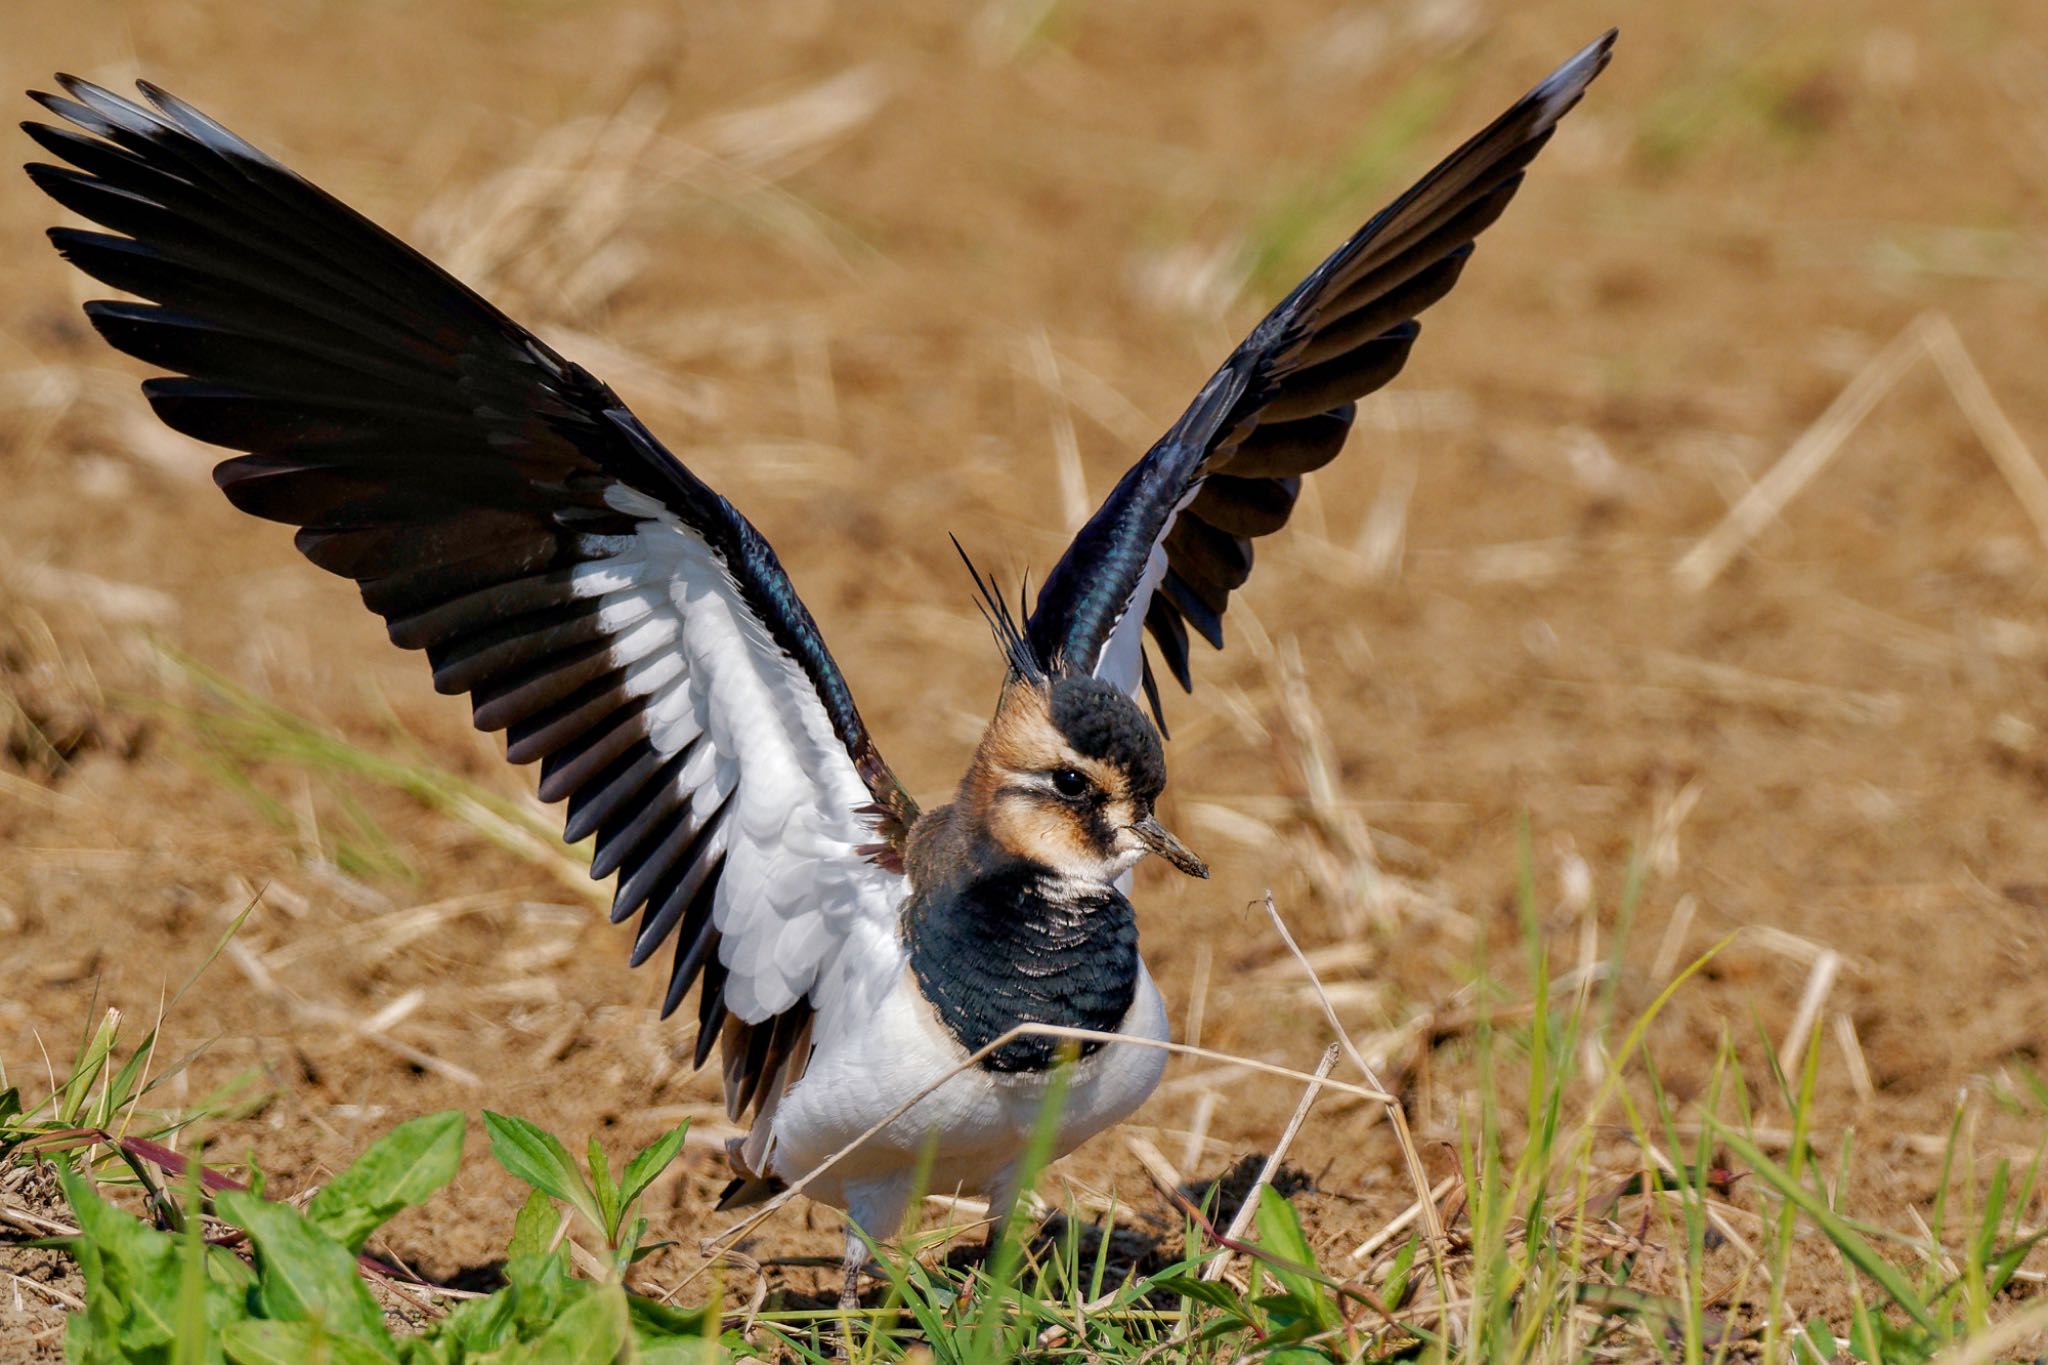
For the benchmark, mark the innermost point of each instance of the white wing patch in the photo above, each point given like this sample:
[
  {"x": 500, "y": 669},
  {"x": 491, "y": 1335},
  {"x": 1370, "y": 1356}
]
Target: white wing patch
[
  {"x": 800, "y": 912},
  {"x": 1122, "y": 660}
]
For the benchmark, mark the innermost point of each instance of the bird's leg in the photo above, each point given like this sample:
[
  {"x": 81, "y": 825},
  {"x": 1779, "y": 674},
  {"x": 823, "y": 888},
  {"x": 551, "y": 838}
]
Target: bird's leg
[
  {"x": 849, "y": 1290},
  {"x": 874, "y": 1204},
  {"x": 1002, "y": 1200},
  {"x": 856, "y": 1257}
]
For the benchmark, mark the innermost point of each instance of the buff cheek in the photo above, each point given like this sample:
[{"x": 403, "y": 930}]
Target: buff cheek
[{"x": 1038, "y": 832}]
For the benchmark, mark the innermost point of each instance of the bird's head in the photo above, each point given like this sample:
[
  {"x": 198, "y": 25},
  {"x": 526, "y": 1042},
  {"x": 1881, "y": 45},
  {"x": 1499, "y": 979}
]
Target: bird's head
[{"x": 1067, "y": 775}]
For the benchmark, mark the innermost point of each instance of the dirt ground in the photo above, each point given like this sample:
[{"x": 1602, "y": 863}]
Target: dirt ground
[{"x": 881, "y": 278}]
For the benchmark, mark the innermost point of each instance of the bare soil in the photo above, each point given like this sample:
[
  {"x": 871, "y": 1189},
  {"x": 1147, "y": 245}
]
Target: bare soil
[{"x": 874, "y": 331}]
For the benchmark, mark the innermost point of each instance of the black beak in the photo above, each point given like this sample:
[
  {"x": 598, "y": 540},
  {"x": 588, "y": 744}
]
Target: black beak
[{"x": 1155, "y": 837}]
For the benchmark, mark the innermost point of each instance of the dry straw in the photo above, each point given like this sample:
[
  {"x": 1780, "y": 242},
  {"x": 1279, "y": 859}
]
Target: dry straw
[{"x": 1931, "y": 336}]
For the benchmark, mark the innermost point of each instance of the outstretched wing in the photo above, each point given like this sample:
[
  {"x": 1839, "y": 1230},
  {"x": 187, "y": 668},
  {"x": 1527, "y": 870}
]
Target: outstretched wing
[
  {"x": 1173, "y": 539},
  {"x": 503, "y": 511}
]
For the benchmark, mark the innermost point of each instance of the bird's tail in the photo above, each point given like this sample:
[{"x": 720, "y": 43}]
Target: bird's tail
[{"x": 746, "y": 1186}]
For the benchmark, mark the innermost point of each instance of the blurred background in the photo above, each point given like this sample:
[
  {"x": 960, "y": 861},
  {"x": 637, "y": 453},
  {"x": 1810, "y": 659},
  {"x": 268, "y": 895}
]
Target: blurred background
[{"x": 1562, "y": 610}]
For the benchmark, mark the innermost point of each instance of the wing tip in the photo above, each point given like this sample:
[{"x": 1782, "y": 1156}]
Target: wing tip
[
  {"x": 100, "y": 111},
  {"x": 1556, "y": 93},
  {"x": 102, "y": 101}
]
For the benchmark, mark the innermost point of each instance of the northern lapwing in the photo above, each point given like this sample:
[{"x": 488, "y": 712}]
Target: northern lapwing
[{"x": 623, "y": 624}]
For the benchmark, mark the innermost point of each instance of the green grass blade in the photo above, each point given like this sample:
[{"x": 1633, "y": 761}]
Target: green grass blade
[
  {"x": 1854, "y": 1249},
  {"x": 91, "y": 1061}
]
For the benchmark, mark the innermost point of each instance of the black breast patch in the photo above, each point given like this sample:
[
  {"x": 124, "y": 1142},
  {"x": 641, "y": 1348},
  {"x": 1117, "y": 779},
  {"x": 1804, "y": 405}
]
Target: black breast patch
[{"x": 1017, "y": 946}]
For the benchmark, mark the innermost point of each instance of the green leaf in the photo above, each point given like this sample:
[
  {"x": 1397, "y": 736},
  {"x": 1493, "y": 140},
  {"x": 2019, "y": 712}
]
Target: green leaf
[
  {"x": 470, "y": 1328},
  {"x": 95, "y": 1334},
  {"x": 592, "y": 1331},
  {"x": 1279, "y": 1228},
  {"x": 135, "y": 1285},
  {"x": 627, "y": 1246},
  {"x": 607, "y": 1191},
  {"x": 401, "y": 1169},
  {"x": 642, "y": 1250},
  {"x": 674, "y": 1336},
  {"x": 1204, "y": 1291},
  {"x": 1394, "y": 1292},
  {"x": 192, "y": 1277},
  {"x": 655, "y": 1322},
  {"x": 1817, "y": 1342},
  {"x": 651, "y": 1162},
  {"x": 302, "y": 1273},
  {"x": 680, "y": 1351},
  {"x": 535, "y": 1157},
  {"x": 534, "y": 1228},
  {"x": 295, "y": 1343},
  {"x": 538, "y": 1275},
  {"x": 1295, "y": 1355},
  {"x": 230, "y": 1271},
  {"x": 131, "y": 1276},
  {"x": 1280, "y": 1233}
]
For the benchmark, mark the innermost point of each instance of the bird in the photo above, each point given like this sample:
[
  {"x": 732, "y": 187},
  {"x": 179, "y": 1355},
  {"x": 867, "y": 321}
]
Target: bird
[{"x": 854, "y": 955}]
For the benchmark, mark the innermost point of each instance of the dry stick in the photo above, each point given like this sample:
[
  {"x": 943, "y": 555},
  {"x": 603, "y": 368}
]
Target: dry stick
[
  {"x": 1418, "y": 1176},
  {"x": 1401, "y": 1220},
  {"x": 2001, "y": 440},
  {"x": 1852, "y": 1054},
  {"x": 1673, "y": 942},
  {"x": 974, "y": 1059},
  {"x": 49, "y": 1291},
  {"x": 1934, "y": 1253},
  {"x": 1242, "y": 1219},
  {"x": 34, "y": 1223},
  {"x": 1198, "y": 995},
  {"x": 1810, "y": 454},
  {"x": 1198, "y": 1128},
  {"x": 1162, "y": 1172},
  {"x": 1819, "y": 982}
]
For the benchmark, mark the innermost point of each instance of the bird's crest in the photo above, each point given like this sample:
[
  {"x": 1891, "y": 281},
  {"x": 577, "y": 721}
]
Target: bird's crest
[{"x": 1002, "y": 623}]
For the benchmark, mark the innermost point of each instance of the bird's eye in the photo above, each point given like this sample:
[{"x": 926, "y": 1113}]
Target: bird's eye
[{"x": 1069, "y": 784}]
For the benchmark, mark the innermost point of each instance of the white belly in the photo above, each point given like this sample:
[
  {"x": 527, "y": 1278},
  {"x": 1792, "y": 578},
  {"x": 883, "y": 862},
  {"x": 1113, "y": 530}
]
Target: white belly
[{"x": 977, "y": 1123}]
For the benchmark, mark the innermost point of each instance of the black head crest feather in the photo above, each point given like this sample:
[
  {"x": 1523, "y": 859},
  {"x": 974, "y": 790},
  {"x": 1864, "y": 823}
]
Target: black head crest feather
[{"x": 1002, "y": 623}]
